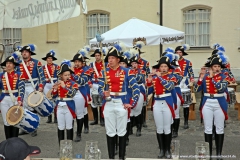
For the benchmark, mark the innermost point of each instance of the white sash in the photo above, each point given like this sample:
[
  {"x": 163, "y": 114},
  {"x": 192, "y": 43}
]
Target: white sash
[
  {"x": 9, "y": 89},
  {"x": 49, "y": 76},
  {"x": 29, "y": 76},
  {"x": 95, "y": 69}
]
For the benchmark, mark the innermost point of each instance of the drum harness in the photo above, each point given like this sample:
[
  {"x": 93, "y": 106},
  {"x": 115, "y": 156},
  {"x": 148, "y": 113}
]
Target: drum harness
[
  {"x": 49, "y": 76},
  {"x": 10, "y": 91},
  {"x": 29, "y": 76}
]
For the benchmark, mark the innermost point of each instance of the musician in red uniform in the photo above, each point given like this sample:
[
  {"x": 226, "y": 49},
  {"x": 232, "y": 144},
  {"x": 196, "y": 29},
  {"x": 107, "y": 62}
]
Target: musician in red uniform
[
  {"x": 63, "y": 91},
  {"x": 50, "y": 72},
  {"x": 188, "y": 76},
  {"x": 32, "y": 70},
  {"x": 116, "y": 100},
  {"x": 97, "y": 67},
  {"x": 10, "y": 96},
  {"x": 162, "y": 83}
]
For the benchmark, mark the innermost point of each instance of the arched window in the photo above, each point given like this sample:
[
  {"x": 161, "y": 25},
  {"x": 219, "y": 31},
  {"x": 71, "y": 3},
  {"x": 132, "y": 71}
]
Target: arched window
[
  {"x": 103, "y": 20},
  {"x": 197, "y": 26}
]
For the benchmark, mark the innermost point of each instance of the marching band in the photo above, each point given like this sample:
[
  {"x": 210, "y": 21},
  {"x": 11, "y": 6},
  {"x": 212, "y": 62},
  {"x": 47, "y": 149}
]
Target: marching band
[{"x": 119, "y": 85}]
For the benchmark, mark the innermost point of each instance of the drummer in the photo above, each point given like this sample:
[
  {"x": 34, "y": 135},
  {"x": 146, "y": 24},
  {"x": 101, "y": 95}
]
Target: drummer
[
  {"x": 188, "y": 76},
  {"x": 143, "y": 65},
  {"x": 214, "y": 105},
  {"x": 50, "y": 72},
  {"x": 14, "y": 95},
  {"x": 116, "y": 99},
  {"x": 34, "y": 72},
  {"x": 81, "y": 77},
  {"x": 162, "y": 83},
  {"x": 97, "y": 67},
  {"x": 64, "y": 90}
]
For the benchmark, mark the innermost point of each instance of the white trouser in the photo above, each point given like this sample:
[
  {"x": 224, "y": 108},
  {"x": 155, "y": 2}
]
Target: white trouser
[
  {"x": 79, "y": 105},
  {"x": 115, "y": 117},
  {"x": 178, "y": 108},
  {"x": 184, "y": 86},
  {"x": 162, "y": 117},
  {"x": 47, "y": 87},
  {"x": 94, "y": 90},
  {"x": 6, "y": 103},
  {"x": 28, "y": 89},
  {"x": 138, "y": 109},
  {"x": 212, "y": 111},
  {"x": 64, "y": 118}
]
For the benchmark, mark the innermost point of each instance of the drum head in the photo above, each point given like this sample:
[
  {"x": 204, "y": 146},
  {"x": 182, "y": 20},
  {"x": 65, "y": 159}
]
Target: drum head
[
  {"x": 49, "y": 94},
  {"x": 14, "y": 115},
  {"x": 35, "y": 98}
]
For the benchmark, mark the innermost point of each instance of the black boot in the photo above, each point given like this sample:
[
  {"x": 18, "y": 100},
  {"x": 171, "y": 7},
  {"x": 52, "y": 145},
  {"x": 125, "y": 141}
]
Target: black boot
[
  {"x": 131, "y": 126},
  {"x": 111, "y": 148},
  {"x": 127, "y": 134},
  {"x": 219, "y": 144},
  {"x": 139, "y": 125},
  {"x": 122, "y": 147},
  {"x": 70, "y": 134},
  {"x": 175, "y": 127},
  {"x": 86, "y": 127},
  {"x": 34, "y": 133},
  {"x": 167, "y": 144},
  {"x": 208, "y": 138},
  {"x": 116, "y": 144},
  {"x": 79, "y": 130},
  {"x": 213, "y": 132},
  {"x": 95, "y": 115},
  {"x": 60, "y": 136},
  {"x": 186, "y": 113},
  {"x": 102, "y": 123},
  {"x": 161, "y": 145},
  {"x": 144, "y": 116},
  {"x": 49, "y": 119},
  {"x": 15, "y": 131},
  {"x": 7, "y": 130}
]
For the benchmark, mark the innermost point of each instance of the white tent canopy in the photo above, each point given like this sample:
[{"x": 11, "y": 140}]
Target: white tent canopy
[
  {"x": 32, "y": 13},
  {"x": 135, "y": 28}
]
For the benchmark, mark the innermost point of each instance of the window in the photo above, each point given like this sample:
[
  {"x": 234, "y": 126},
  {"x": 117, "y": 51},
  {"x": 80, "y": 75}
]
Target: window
[
  {"x": 8, "y": 37},
  {"x": 92, "y": 24},
  {"x": 52, "y": 33},
  {"x": 197, "y": 27}
]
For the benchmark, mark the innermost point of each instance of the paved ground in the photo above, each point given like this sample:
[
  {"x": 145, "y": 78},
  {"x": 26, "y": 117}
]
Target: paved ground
[{"x": 143, "y": 147}]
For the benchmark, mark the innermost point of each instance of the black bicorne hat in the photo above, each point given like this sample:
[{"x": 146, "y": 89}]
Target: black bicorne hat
[
  {"x": 113, "y": 52},
  {"x": 183, "y": 48},
  {"x": 215, "y": 60},
  {"x": 63, "y": 68},
  {"x": 134, "y": 59},
  {"x": 10, "y": 59},
  {"x": 50, "y": 54},
  {"x": 30, "y": 48},
  {"x": 96, "y": 51},
  {"x": 78, "y": 57},
  {"x": 162, "y": 60}
]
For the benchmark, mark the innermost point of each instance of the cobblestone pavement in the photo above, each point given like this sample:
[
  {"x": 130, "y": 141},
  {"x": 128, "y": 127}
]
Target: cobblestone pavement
[{"x": 140, "y": 147}]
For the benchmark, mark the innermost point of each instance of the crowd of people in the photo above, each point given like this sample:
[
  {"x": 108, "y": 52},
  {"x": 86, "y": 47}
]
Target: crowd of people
[{"x": 118, "y": 84}]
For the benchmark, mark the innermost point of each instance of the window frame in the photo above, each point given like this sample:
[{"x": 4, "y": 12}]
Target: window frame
[{"x": 198, "y": 7}]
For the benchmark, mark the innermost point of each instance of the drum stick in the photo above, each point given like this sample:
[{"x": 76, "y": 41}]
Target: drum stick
[{"x": 16, "y": 112}]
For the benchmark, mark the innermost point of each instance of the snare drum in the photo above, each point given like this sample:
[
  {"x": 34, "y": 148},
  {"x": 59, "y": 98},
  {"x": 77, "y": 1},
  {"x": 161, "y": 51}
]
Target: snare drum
[
  {"x": 96, "y": 99},
  {"x": 231, "y": 95},
  {"x": 186, "y": 94},
  {"x": 39, "y": 102},
  {"x": 22, "y": 118}
]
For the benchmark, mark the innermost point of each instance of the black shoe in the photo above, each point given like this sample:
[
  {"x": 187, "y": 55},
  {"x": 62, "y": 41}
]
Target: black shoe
[
  {"x": 167, "y": 144},
  {"x": 79, "y": 130},
  {"x": 175, "y": 127},
  {"x": 208, "y": 138},
  {"x": 49, "y": 119},
  {"x": 34, "y": 133},
  {"x": 186, "y": 125},
  {"x": 174, "y": 135},
  {"x": 78, "y": 138},
  {"x": 160, "y": 139},
  {"x": 144, "y": 125},
  {"x": 186, "y": 114},
  {"x": 95, "y": 115},
  {"x": 111, "y": 147},
  {"x": 139, "y": 125},
  {"x": 22, "y": 133},
  {"x": 86, "y": 130}
]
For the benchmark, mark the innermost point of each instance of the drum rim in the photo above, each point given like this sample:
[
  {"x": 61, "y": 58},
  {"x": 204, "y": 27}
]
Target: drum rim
[
  {"x": 19, "y": 120},
  {"x": 30, "y": 95}
]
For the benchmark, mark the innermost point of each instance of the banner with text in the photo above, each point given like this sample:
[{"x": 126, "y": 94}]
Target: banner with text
[{"x": 32, "y": 13}]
